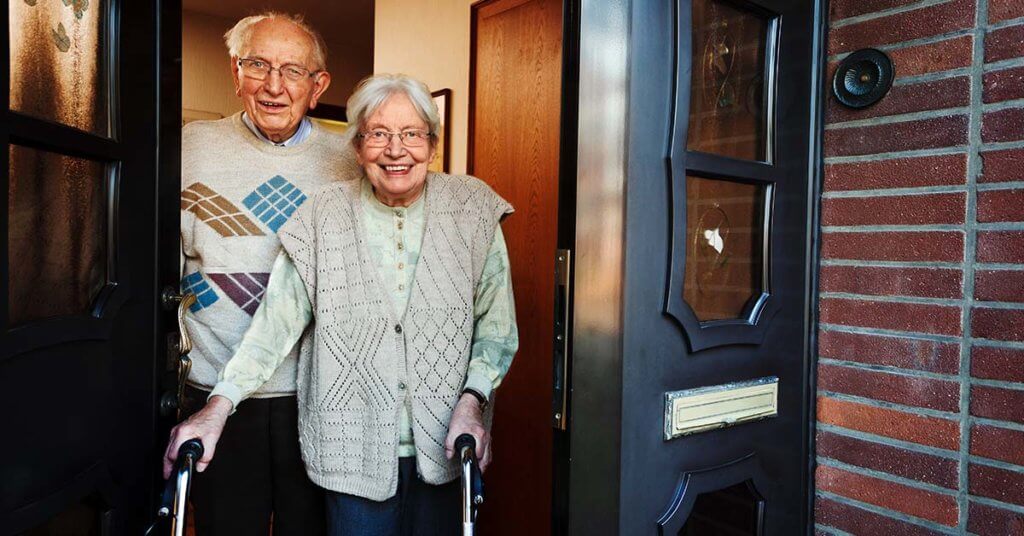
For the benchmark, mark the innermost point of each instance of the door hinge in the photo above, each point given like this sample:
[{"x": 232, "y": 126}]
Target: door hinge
[{"x": 560, "y": 355}]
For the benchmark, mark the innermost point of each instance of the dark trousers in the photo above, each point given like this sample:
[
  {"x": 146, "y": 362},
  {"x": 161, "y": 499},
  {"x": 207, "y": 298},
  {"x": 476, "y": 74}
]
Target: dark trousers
[
  {"x": 417, "y": 509},
  {"x": 256, "y": 474}
]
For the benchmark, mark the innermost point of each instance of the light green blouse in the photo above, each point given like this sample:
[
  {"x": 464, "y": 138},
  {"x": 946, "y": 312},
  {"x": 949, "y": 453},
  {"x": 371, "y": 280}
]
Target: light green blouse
[{"x": 394, "y": 237}]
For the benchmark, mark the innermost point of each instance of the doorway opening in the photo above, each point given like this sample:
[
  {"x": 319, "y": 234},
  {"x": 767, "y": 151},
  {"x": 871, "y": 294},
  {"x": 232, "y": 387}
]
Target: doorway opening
[{"x": 495, "y": 68}]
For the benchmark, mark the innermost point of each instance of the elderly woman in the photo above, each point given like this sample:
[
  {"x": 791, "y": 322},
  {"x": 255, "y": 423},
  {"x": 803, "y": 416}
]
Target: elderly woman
[{"x": 404, "y": 275}]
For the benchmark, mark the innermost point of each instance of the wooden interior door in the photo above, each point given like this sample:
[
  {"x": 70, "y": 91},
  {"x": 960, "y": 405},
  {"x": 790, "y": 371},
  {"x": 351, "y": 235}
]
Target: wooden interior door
[{"x": 515, "y": 106}]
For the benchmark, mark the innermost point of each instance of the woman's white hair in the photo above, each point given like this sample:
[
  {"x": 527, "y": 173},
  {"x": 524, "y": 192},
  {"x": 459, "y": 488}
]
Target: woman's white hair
[
  {"x": 371, "y": 93},
  {"x": 237, "y": 38}
]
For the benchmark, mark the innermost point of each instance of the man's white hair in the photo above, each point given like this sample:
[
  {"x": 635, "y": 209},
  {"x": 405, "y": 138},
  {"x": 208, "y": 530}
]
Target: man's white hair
[
  {"x": 237, "y": 38},
  {"x": 371, "y": 93}
]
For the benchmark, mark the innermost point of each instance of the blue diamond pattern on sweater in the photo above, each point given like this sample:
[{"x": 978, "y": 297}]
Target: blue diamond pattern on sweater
[
  {"x": 274, "y": 201},
  {"x": 196, "y": 284}
]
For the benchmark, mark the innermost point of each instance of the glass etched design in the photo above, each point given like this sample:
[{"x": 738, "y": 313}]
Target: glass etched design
[
  {"x": 727, "y": 91},
  {"x": 57, "y": 67},
  {"x": 725, "y": 247},
  {"x": 57, "y": 234}
]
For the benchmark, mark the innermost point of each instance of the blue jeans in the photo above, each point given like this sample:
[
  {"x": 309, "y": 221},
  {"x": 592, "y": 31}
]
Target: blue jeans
[{"x": 417, "y": 509}]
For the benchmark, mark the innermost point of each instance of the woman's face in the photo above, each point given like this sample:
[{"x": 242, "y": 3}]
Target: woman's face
[{"x": 396, "y": 171}]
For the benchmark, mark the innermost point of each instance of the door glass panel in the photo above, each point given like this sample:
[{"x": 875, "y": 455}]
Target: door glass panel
[
  {"x": 57, "y": 234},
  {"x": 56, "y": 59},
  {"x": 725, "y": 247},
  {"x": 731, "y": 511},
  {"x": 727, "y": 92}
]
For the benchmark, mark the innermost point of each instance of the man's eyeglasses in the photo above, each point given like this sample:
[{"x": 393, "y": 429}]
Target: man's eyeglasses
[
  {"x": 382, "y": 138},
  {"x": 259, "y": 70}
]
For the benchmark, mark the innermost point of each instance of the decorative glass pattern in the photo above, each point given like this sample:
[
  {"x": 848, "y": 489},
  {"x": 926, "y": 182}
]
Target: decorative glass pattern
[
  {"x": 57, "y": 234},
  {"x": 727, "y": 92},
  {"x": 57, "y": 68},
  {"x": 725, "y": 247}
]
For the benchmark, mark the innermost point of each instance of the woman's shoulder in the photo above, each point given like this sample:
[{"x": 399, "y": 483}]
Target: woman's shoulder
[{"x": 466, "y": 190}]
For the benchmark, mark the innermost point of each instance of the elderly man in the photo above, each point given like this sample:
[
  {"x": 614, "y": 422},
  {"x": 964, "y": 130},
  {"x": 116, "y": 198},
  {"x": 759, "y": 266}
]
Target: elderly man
[{"x": 242, "y": 178}]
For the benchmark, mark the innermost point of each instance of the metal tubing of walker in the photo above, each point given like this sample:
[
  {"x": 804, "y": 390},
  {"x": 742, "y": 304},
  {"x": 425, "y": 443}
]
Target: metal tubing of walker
[
  {"x": 184, "y": 482},
  {"x": 467, "y": 491}
]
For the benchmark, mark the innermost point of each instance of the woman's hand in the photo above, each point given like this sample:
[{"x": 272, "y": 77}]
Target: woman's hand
[
  {"x": 468, "y": 419},
  {"x": 206, "y": 424}
]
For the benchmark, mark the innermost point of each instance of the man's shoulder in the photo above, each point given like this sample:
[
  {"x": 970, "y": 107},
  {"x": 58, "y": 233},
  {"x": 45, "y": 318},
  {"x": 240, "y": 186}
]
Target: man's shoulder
[{"x": 203, "y": 130}]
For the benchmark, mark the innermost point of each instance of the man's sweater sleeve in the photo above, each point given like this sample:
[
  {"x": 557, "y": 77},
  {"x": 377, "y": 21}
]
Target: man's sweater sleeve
[{"x": 276, "y": 327}]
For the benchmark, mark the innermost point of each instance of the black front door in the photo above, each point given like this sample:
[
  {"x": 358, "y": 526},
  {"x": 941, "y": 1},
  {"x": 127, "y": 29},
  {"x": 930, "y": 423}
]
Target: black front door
[
  {"x": 82, "y": 327},
  {"x": 691, "y": 392}
]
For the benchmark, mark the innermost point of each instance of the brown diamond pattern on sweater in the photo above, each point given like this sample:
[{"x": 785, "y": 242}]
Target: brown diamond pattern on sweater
[{"x": 217, "y": 212}]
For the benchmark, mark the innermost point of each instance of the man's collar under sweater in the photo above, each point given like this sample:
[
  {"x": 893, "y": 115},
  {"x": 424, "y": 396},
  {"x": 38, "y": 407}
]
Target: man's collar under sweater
[{"x": 305, "y": 128}]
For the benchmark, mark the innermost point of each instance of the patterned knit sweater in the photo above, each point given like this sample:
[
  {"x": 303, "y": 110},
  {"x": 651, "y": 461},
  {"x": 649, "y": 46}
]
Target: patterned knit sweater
[
  {"x": 237, "y": 191},
  {"x": 364, "y": 361}
]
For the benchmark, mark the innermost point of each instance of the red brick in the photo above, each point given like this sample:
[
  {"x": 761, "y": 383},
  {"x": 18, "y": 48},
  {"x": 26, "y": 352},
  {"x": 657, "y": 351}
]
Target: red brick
[
  {"x": 1003, "y": 125},
  {"x": 924, "y": 504},
  {"x": 920, "y": 209},
  {"x": 1001, "y": 205},
  {"x": 997, "y": 443},
  {"x": 853, "y": 520},
  {"x": 895, "y": 388},
  {"x": 999, "y": 285},
  {"x": 897, "y": 173},
  {"x": 902, "y": 99},
  {"x": 1004, "y": 44},
  {"x": 995, "y": 483},
  {"x": 917, "y": 354},
  {"x": 992, "y": 363},
  {"x": 844, "y": 9},
  {"x": 888, "y": 459},
  {"x": 999, "y": 10},
  {"x": 947, "y": 246},
  {"x": 916, "y": 24},
  {"x": 991, "y": 521},
  {"x": 1001, "y": 246},
  {"x": 1002, "y": 166},
  {"x": 914, "y": 317},
  {"x": 904, "y": 136},
  {"x": 933, "y": 57},
  {"x": 924, "y": 430},
  {"x": 878, "y": 281},
  {"x": 997, "y": 403},
  {"x": 997, "y": 324},
  {"x": 1003, "y": 85}
]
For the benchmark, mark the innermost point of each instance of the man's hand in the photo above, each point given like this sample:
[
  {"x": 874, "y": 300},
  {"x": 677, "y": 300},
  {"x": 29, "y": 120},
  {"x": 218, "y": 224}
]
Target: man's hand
[
  {"x": 206, "y": 424},
  {"x": 468, "y": 419}
]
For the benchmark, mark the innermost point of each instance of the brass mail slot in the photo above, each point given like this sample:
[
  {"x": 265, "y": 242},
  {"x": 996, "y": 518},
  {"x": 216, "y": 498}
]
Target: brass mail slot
[{"x": 708, "y": 408}]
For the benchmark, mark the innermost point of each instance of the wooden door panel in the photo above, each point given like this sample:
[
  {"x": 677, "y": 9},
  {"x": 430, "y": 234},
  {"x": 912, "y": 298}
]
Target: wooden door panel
[{"x": 514, "y": 147}]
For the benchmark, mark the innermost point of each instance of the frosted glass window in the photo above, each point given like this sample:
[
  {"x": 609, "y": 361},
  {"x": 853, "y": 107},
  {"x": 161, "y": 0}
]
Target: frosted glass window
[
  {"x": 58, "y": 72},
  {"x": 57, "y": 234}
]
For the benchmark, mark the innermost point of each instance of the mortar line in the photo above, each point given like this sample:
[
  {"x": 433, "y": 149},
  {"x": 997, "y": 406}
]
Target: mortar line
[
  {"x": 883, "y": 13},
  {"x": 970, "y": 248},
  {"x": 887, "y": 512}
]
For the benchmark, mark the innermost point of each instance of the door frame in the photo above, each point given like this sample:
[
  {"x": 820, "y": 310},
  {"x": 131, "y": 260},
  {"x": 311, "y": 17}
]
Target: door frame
[{"x": 603, "y": 79}]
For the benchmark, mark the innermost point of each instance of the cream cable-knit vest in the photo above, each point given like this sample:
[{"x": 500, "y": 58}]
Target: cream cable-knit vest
[{"x": 359, "y": 362}]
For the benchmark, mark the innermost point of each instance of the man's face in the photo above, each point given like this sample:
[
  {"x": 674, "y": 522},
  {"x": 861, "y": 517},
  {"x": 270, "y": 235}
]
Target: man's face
[{"x": 276, "y": 105}]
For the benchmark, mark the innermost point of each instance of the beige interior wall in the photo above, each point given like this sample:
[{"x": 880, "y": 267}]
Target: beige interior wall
[
  {"x": 429, "y": 41},
  {"x": 205, "y": 68},
  {"x": 206, "y": 74}
]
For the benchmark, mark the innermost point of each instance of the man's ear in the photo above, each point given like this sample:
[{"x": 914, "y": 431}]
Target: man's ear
[
  {"x": 321, "y": 82},
  {"x": 236, "y": 76}
]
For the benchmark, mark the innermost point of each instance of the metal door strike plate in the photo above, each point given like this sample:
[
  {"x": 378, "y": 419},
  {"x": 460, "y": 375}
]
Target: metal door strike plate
[{"x": 718, "y": 406}]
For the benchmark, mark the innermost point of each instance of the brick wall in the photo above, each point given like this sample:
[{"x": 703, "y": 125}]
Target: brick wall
[{"x": 921, "y": 350}]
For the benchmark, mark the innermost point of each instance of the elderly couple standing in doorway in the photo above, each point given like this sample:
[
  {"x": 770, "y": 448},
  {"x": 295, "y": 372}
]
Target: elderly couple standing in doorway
[{"x": 360, "y": 306}]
